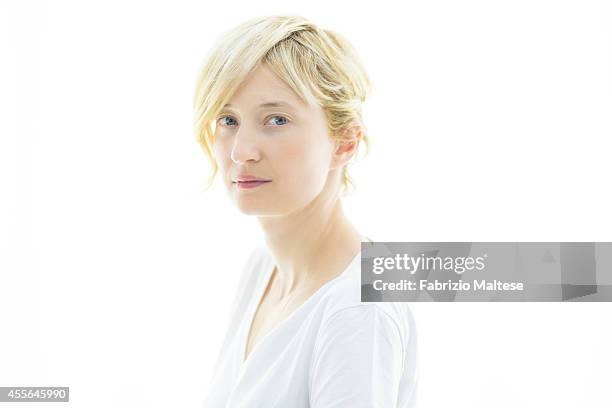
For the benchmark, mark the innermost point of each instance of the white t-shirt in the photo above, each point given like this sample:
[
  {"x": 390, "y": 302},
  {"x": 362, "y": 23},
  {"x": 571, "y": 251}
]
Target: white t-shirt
[{"x": 332, "y": 351}]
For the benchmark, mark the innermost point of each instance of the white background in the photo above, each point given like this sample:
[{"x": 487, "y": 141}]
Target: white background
[{"x": 490, "y": 121}]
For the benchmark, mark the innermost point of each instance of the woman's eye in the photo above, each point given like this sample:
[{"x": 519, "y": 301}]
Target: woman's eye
[
  {"x": 275, "y": 120},
  {"x": 224, "y": 123},
  {"x": 283, "y": 121}
]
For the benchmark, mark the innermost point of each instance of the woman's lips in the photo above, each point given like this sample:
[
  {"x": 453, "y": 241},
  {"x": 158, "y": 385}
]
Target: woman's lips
[{"x": 250, "y": 184}]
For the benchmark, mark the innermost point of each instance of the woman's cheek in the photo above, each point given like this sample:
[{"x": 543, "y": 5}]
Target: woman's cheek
[{"x": 222, "y": 154}]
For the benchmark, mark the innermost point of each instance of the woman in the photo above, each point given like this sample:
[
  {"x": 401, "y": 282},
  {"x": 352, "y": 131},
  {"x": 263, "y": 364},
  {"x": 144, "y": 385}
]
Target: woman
[{"x": 278, "y": 113}]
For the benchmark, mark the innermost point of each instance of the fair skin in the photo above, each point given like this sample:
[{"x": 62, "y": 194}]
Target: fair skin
[{"x": 299, "y": 210}]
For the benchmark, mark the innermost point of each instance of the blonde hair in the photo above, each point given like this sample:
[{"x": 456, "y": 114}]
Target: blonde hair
[{"x": 319, "y": 65}]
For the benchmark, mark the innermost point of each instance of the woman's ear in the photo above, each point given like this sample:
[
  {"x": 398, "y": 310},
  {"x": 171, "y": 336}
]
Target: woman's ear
[{"x": 346, "y": 146}]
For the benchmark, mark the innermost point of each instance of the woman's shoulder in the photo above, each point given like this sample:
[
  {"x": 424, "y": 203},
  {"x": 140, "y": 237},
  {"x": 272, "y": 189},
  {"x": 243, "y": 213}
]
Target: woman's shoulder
[
  {"x": 342, "y": 303},
  {"x": 258, "y": 253},
  {"x": 256, "y": 262},
  {"x": 259, "y": 262},
  {"x": 253, "y": 270},
  {"x": 344, "y": 298}
]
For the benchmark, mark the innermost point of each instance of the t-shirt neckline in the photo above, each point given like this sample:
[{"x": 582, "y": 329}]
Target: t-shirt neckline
[{"x": 269, "y": 268}]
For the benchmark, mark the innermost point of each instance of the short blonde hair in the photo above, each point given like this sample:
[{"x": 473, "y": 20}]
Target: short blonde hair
[{"x": 319, "y": 65}]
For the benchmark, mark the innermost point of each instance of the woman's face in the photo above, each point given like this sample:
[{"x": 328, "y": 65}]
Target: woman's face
[{"x": 268, "y": 133}]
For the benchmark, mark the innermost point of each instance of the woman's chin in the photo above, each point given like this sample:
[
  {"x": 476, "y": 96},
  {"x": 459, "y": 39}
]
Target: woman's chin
[{"x": 250, "y": 207}]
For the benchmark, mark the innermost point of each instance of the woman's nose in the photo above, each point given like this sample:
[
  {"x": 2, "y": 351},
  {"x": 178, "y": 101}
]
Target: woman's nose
[{"x": 245, "y": 146}]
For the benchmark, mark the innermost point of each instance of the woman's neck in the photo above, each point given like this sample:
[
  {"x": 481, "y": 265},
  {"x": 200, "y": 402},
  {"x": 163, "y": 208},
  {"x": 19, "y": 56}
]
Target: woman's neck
[{"x": 312, "y": 245}]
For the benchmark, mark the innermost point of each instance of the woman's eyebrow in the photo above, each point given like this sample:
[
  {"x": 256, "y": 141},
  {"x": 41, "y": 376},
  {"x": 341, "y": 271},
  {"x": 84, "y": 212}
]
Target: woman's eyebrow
[{"x": 274, "y": 104}]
